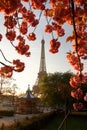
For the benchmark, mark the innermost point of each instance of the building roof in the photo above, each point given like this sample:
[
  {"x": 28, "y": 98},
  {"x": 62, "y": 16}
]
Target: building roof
[{"x": 28, "y": 95}]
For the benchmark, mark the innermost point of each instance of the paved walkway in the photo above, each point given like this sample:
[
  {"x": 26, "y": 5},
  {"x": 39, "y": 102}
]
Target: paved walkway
[{"x": 9, "y": 120}]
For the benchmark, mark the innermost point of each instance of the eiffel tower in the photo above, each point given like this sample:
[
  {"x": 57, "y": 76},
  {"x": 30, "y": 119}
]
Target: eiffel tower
[{"x": 42, "y": 69}]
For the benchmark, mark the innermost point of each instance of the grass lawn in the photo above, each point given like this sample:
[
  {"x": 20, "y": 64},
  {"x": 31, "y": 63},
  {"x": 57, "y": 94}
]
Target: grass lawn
[{"x": 73, "y": 123}]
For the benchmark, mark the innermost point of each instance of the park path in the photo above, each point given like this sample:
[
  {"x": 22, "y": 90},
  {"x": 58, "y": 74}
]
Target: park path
[{"x": 9, "y": 120}]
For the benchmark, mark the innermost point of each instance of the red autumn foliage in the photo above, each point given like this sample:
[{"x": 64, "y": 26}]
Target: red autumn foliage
[
  {"x": 0, "y": 37},
  {"x": 31, "y": 36},
  {"x": 23, "y": 28},
  {"x": 10, "y": 22},
  {"x": 11, "y": 35},
  {"x": 19, "y": 66},
  {"x": 18, "y": 19},
  {"x": 54, "y": 46},
  {"x": 48, "y": 29},
  {"x": 6, "y": 71}
]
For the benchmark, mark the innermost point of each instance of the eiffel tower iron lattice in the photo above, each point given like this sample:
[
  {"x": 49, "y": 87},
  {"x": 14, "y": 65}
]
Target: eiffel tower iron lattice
[{"x": 42, "y": 68}]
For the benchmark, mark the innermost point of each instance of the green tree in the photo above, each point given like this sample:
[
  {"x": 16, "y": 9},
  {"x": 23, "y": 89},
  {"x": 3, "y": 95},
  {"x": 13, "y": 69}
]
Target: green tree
[
  {"x": 55, "y": 89},
  {"x": 35, "y": 90},
  {"x": 65, "y": 88}
]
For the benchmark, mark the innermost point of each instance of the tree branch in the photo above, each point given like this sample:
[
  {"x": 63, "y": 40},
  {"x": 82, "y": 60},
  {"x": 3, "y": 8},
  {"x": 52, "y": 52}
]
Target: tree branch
[
  {"x": 4, "y": 58},
  {"x": 76, "y": 36}
]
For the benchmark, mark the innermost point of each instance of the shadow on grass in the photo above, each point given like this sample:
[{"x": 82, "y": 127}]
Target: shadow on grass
[{"x": 74, "y": 122}]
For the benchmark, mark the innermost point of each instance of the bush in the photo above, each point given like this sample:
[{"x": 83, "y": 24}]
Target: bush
[
  {"x": 6, "y": 112},
  {"x": 35, "y": 123}
]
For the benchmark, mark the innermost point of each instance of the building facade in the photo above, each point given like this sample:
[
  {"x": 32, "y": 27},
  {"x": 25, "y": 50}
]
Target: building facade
[{"x": 28, "y": 103}]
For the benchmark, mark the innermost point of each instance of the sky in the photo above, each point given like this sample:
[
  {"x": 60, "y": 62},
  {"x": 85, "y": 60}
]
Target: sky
[{"x": 54, "y": 62}]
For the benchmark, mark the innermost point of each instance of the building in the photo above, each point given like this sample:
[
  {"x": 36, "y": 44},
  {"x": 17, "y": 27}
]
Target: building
[{"x": 28, "y": 103}]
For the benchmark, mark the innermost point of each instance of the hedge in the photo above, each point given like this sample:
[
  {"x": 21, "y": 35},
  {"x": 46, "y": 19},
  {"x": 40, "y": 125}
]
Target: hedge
[{"x": 35, "y": 123}]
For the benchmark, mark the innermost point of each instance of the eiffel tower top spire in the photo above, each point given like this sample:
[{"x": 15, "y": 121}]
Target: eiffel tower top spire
[{"x": 42, "y": 68}]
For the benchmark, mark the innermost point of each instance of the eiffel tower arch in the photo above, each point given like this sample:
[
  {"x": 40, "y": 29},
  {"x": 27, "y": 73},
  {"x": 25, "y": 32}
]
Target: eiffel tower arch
[{"x": 42, "y": 68}]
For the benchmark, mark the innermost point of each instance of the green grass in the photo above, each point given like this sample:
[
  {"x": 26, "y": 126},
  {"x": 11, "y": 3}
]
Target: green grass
[
  {"x": 73, "y": 123},
  {"x": 77, "y": 123}
]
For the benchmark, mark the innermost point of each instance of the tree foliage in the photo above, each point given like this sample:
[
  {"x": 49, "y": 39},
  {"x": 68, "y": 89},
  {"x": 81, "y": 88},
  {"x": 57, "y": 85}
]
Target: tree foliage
[
  {"x": 19, "y": 16},
  {"x": 55, "y": 89},
  {"x": 6, "y": 86}
]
